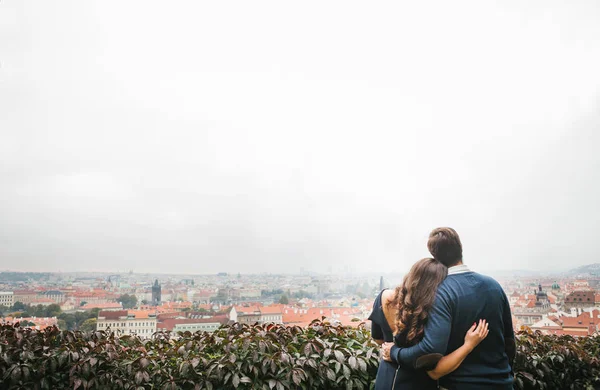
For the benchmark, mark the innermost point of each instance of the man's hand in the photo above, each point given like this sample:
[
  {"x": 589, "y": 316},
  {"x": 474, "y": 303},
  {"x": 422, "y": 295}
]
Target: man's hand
[{"x": 385, "y": 351}]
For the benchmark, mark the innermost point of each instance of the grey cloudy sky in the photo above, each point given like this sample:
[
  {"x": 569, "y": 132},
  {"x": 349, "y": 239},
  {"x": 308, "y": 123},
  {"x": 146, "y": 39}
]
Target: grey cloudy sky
[{"x": 269, "y": 136}]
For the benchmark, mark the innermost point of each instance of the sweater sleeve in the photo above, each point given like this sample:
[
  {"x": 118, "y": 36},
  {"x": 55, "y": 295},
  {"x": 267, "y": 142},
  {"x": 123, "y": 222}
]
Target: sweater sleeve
[
  {"x": 509, "y": 334},
  {"x": 437, "y": 334}
]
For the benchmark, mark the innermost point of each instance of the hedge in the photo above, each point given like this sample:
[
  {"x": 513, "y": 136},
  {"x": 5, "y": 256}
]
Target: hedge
[
  {"x": 556, "y": 362},
  {"x": 239, "y": 356}
]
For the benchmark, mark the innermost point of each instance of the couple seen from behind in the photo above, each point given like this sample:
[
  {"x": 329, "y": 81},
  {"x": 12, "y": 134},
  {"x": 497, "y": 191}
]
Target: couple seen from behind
[{"x": 446, "y": 327}]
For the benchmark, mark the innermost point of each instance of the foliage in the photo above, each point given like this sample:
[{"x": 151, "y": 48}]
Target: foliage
[
  {"x": 128, "y": 301},
  {"x": 303, "y": 294},
  {"x": 284, "y": 299},
  {"x": 72, "y": 321},
  {"x": 88, "y": 325},
  {"x": 239, "y": 356},
  {"x": 17, "y": 306},
  {"x": 556, "y": 362},
  {"x": 52, "y": 310},
  {"x": 270, "y": 293},
  {"x": 234, "y": 357}
]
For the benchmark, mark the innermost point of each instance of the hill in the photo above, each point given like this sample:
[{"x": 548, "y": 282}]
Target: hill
[{"x": 589, "y": 269}]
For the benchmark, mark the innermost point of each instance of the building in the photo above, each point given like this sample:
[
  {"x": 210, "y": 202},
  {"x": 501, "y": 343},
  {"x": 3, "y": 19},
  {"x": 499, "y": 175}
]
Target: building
[
  {"x": 6, "y": 298},
  {"x": 244, "y": 293},
  {"x": 24, "y": 296},
  {"x": 586, "y": 324},
  {"x": 55, "y": 295},
  {"x": 257, "y": 314},
  {"x": 534, "y": 310},
  {"x": 39, "y": 323},
  {"x": 271, "y": 314},
  {"x": 156, "y": 293},
  {"x": 123, "y": 322},
  {"x": 245, "y": 315},
  {"x": 209, "y": 324},
  {"x": 580, "y": 299}
]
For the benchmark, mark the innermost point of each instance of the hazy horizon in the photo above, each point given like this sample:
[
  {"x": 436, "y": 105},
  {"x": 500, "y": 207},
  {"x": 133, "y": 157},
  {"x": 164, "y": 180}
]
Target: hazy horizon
[{"x": 270, "y": 137}]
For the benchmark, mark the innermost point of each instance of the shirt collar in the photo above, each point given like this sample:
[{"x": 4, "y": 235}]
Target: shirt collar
[{"x": 458, "y": 269}]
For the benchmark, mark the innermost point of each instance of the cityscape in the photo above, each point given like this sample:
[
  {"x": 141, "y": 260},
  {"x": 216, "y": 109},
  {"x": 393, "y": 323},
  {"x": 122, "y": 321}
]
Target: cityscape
[{"x": 143, "y": 304}]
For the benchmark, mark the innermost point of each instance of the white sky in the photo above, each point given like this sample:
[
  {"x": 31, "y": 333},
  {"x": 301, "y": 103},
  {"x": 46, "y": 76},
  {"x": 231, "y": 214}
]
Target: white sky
[{"x": 269, "y": 136}]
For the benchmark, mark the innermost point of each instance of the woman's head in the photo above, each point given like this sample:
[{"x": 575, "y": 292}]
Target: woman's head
[{"x": 414, "y": 298}]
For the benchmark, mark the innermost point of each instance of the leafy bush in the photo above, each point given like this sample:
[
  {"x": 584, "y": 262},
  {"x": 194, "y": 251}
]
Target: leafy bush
[
  {"x": 556, "y": 362},
  {"x": 239, "y": 356},
  {"x": 234, "y": 357}
]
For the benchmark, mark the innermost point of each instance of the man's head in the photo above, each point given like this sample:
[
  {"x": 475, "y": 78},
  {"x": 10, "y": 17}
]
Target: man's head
[{"x": 444, "y": 245}]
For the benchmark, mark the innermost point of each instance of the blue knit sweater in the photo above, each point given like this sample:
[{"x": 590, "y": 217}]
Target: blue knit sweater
[{"x": 461, "y": 300}]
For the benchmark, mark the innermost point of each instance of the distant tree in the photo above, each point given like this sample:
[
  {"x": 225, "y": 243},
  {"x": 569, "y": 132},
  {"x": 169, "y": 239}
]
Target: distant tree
[
  {"x": 83, "y": 303},
  {"x": 52, "y": 310},
  {"x": 88, "y": 325},
  {"x": 144, "y": 301},
  {"x": 18, "y": 306},
  {"x": 69, "y": 319},
  {"x": 38, "y": 311},
  {"x": 62, "y": 324},
  {"x": 284, "y": 299},
  {"x": 128, "y": 301},
  {"x": 303, "y": 294}
]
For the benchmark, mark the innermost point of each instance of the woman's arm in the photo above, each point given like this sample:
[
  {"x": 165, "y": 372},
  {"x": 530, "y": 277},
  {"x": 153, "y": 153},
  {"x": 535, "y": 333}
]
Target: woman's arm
[
  {"x": 376, "y": 333},
  {"x": 450, "y": 362}
]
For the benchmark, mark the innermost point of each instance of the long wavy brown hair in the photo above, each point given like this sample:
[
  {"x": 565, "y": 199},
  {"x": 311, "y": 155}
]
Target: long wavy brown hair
[{"x": 414, "y": 298}]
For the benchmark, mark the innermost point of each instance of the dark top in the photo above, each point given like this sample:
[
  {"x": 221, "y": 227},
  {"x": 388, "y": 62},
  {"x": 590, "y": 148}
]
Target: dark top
[
  {"x": 390, "y": 375},
  {"x": 461, "y": 300}
]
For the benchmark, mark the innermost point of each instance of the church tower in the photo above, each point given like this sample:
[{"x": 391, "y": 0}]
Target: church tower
[{"x": 156, "y": 290}]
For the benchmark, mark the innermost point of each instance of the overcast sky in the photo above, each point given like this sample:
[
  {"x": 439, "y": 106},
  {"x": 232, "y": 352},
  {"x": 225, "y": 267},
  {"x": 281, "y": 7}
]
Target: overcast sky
[{"x": 273, "y": 136}]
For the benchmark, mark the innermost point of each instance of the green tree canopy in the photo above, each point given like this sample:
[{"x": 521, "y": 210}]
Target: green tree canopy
[
  {"x": 88, "y": 325},
  {"x": 128, "y": 301}
]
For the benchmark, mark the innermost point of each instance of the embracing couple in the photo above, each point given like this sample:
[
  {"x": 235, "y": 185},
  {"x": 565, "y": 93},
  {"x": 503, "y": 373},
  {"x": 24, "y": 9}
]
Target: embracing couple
[{"x": 445, "y": 327}]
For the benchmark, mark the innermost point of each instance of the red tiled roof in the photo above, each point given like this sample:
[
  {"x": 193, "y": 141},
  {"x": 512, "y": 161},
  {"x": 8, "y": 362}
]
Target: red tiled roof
[
  {"x": 113, "y": 315},
  {"x": 141, "y": 313},
  {"x": 275, "y": 309},
  {"x": 581, "y": 296}
]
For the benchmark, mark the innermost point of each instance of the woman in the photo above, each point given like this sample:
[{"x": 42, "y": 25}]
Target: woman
[{"x": 403, "y": 312}]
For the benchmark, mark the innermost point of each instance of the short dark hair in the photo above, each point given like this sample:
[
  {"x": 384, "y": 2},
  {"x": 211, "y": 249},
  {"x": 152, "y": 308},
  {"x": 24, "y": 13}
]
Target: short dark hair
[{"x": 444, "y": 245}]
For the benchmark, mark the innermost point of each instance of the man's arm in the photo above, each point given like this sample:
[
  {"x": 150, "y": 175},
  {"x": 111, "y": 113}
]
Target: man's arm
[
  {"x": 510, "y": 346},
  {"x": 437, "y": 334}
]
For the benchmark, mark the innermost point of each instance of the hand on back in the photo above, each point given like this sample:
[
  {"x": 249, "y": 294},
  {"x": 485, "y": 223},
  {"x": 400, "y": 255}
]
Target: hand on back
[{"x": 476, "y": 334}]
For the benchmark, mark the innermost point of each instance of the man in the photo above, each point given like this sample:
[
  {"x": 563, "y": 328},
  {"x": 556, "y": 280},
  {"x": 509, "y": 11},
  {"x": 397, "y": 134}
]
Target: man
[{"x": 461, "y": 300}]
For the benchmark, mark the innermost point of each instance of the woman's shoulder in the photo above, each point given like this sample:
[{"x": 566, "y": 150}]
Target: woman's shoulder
[
  {"x": 383, "y": 297},
  {"x": 387, "y": 295}
]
